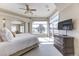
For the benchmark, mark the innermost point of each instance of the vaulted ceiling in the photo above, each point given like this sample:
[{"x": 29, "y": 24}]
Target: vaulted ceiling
[{"x": 42, "y": 9}]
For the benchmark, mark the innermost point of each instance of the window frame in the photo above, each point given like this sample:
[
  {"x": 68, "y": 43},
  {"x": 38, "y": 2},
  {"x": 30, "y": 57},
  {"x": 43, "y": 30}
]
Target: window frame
[{"x": 38, "y": 24}]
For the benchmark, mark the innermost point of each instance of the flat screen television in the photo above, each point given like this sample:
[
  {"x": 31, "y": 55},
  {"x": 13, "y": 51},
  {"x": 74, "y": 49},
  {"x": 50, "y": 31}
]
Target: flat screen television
[{"x": 65, "y": 25}]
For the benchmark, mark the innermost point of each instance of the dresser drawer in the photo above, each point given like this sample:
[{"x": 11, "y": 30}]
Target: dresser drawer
[
  {"x": 59, "y": 39},
  {"x": 60, "y": 48},
  {"x": 58, "y": 42},
  {"x": 64, "y": 44}
]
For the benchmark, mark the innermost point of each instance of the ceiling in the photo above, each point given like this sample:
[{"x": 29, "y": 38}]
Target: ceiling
[
  {"x": 16, "y": 22},
  {"x": 61, "y": 6},
  {"x": 42, "y": 9}
]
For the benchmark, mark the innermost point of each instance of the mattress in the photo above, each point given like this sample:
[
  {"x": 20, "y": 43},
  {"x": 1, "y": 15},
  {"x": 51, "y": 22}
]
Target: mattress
[{"x": 18, "y": 43}]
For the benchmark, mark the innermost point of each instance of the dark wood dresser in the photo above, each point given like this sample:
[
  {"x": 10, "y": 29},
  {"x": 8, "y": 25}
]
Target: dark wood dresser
[{"x": 65, "y": 44}]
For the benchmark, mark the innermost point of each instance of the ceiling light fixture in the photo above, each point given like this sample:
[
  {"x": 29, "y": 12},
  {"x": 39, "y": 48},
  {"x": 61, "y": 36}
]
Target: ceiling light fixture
[
  {"x": 47, "y": 8},
  {"x": 28, "y": 9}
]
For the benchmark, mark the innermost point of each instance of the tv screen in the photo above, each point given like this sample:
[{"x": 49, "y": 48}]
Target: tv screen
[{"x": 65, "y": 25}]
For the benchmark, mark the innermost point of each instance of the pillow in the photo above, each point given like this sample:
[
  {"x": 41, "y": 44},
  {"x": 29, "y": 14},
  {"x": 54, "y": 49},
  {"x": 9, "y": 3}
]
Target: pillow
[
  {"x": 13, "y": 33},
  {"x": 1, "y": 39},
  {"x": 2, "y": 36},
  {"x": 8, "y": 34}
]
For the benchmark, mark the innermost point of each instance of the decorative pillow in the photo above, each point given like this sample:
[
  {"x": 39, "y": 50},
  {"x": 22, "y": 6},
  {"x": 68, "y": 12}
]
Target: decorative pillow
[
  {"x": 14, "y": 34},
  {"x": 1, "y": 39},
  {"x": 2, "y": 36},
  {"x": 8, "y": 34}
]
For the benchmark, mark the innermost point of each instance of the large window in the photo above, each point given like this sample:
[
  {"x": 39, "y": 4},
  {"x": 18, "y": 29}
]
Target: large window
[
  {"x": 22, "y": 29},
  {"x": 13, "y": 28},
  {"x": 17, "y": 26},
  {"x": 54, "y": 24},
  {"x": 39, "y": 27}
]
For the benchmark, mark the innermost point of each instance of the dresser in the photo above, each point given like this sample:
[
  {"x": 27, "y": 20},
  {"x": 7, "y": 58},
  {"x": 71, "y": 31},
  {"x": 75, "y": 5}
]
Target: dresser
[{"x": 65, "y": 44}]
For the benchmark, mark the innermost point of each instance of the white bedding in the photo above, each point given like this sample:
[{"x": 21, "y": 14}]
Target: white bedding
[{"x": 20, "y": 42}]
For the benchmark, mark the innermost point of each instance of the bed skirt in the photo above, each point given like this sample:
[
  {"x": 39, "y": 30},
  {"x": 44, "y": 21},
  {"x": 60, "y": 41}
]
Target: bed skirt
[{"x": 22, "y": 52}]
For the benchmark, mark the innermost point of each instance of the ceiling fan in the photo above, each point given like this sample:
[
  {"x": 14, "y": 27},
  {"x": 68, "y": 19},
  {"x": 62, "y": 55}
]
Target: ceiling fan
[{"x": 28, "y": 9}]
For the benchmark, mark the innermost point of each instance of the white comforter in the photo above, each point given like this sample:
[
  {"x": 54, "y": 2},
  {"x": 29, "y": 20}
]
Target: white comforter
[{"x": 20, "y": 42}]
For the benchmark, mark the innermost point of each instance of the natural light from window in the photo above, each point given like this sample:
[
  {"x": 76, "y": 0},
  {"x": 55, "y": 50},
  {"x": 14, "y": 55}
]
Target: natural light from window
[{"x": 39, "y": 27}]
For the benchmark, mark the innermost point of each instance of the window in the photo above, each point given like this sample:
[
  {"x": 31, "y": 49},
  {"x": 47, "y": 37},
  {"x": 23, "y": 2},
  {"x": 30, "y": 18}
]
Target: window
[
  {"x": 13, "y": 28},
  {"x": 39, "y": 27},
  {"x": 22, "y": 29},
  {"x": 17, "y": 26},
  {"x": 54, "y": 24}
]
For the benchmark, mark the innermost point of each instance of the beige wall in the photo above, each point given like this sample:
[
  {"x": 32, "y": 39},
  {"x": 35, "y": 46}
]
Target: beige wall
[
  {"x": 8, "y": 24},
  {"x": 26, "y": 27},
  {"x": 11, "y": 17},
  {"x": 72, "y": 12}
]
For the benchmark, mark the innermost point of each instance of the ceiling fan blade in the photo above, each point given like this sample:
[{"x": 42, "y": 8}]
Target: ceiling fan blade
[
  {"x": 22, "y": 8},
  {"x": 31, "y": 13},
  {"x": 32, "y": 9},
  {"x": 27, "y": 7},
  {"x": 25, "y": 12}
]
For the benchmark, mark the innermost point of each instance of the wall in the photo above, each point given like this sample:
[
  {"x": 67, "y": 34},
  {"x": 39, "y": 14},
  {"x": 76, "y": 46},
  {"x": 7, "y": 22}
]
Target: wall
[
  {"x": 72, "y": 12},
  {"x": 8, "y": 24},
  {"x": 26, "y": 27},
  {"x": 11, "y": 17}
]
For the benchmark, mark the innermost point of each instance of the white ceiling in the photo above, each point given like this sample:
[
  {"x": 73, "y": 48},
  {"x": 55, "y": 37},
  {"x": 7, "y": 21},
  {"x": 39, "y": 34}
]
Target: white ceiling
[
  {"x": 42, "y": 8},
  {"x": 16, "y": 22},
  {"x": 61, "y": 6}
]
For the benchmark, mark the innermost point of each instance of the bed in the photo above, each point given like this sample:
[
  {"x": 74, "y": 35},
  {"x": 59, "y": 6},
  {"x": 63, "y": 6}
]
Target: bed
[{"x": 19, "y": 45}]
